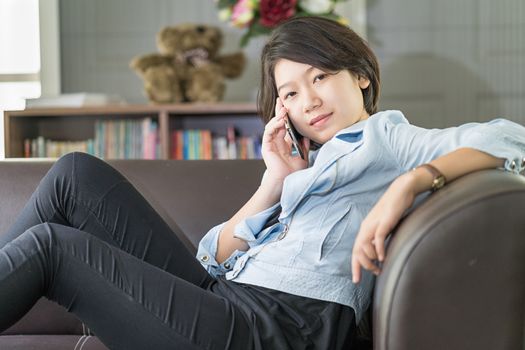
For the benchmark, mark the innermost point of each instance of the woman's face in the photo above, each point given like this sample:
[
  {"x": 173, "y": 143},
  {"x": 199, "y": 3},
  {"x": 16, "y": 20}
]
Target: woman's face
[{"x": 319, "y": 103}]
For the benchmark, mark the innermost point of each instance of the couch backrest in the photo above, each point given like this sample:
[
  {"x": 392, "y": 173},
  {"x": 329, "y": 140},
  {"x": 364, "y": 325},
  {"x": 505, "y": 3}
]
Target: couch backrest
[{"x": 193, "y": 195}]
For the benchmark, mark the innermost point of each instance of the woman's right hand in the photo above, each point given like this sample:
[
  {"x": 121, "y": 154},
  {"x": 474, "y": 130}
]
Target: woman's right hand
[{"x": 277, "y": 148}]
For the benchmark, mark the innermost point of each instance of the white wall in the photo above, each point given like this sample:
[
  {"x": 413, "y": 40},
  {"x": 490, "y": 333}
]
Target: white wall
[
  {"x": 49, "y": 47},
  {"x": 100, "y": 37},
  {"x": 448, "y": 62}
]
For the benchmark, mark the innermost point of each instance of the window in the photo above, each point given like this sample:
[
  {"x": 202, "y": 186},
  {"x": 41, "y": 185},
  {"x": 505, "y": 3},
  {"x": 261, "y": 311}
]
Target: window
[{"x": 19, "y": 53}]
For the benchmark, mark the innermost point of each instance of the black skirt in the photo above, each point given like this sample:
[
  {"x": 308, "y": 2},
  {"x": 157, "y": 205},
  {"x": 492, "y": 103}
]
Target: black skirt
[{"x": 285, "y": 321}]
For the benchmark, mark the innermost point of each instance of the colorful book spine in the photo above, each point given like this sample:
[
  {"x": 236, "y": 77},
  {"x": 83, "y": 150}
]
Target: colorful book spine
[
  {"x": 139, "y": 138},
  {"x": 192, "y": 144}
]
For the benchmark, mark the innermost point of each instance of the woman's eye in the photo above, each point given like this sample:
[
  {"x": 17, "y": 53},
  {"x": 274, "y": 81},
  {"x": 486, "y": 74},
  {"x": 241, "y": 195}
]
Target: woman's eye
[
  {"x": 320, "y": 77},
  {"x": 289, "y": 94}
]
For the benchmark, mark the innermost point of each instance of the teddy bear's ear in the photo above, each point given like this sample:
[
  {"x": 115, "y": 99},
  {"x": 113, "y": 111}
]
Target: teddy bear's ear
[
  {"x": 232, "y": 65},
  {"x": 167, "y": 40}
]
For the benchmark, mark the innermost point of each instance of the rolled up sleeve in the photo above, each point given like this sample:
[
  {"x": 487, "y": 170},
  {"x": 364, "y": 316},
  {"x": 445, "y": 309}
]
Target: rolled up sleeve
[
  {"x": 251, "y": 230},
  {"x": 208, "y": 250},
  {"x": 500, "y": 138}
]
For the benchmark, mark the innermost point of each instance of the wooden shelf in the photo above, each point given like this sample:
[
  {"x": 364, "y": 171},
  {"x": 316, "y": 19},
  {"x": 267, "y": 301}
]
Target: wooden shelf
[
  {"x": 78, "y": 123},
  {"x": 182, "y": 108}
]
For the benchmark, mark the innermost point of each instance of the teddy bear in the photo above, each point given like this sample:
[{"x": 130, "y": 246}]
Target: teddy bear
[{"x": 188, "y": 67}]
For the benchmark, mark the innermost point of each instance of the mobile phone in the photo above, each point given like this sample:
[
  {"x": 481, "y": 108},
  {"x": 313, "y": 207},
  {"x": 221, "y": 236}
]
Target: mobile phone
[{"x": 294, "y": 135}]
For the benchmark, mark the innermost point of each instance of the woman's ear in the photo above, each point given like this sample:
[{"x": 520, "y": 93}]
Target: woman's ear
[{"x": 363, "y": 82}]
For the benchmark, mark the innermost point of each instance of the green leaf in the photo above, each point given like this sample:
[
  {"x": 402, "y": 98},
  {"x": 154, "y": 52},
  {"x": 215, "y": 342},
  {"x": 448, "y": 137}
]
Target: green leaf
[
  {"x": 254, "y": 30},
  {"x": 301, "y": 14},
  {"x": 258, "y": 29},
  {"x": 244, "y": 39},
  {"x": 332, "y": 16}
]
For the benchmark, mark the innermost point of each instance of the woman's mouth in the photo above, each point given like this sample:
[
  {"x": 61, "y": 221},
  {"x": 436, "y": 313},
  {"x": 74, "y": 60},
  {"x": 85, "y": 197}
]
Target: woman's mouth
[{"x": 320, "y": 119}]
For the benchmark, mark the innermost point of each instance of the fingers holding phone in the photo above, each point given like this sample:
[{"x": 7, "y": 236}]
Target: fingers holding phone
[
  {"x": 298, "y": 143},
  {"x": 275, "y": 131},
  {"x": 277, "y": 146},
  {"x": 296, "y": 146}
]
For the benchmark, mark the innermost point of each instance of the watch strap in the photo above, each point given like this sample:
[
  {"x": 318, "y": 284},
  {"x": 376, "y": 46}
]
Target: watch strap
[{"x": 438, "y": 180}]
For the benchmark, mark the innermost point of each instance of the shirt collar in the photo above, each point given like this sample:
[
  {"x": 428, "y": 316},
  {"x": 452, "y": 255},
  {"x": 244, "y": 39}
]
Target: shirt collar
[{"x": 352, "y": 129}]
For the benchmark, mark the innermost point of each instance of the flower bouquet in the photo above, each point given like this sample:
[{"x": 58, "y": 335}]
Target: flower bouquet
[{"x": 261, "y": 16}]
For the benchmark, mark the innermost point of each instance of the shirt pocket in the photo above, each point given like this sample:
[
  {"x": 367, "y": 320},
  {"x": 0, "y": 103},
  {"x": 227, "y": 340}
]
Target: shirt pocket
[{"x": 333, "y": 226}]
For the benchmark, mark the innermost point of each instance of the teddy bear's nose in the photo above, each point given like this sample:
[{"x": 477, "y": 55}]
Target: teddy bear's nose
[{"x": 200, "y": 29}]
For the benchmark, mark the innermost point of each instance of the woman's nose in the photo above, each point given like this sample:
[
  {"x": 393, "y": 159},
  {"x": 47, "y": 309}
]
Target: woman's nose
[{"x": 311, "y": 102}]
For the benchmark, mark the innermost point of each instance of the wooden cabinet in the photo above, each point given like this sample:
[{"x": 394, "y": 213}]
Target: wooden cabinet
[{"x": 79, "y": 124}]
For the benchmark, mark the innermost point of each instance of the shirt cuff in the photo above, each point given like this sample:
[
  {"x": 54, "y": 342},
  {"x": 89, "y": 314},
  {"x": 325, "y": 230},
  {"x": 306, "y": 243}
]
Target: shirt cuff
[
  {"x": 208, "y": 250},
  {"x": 502, "y": 139}
]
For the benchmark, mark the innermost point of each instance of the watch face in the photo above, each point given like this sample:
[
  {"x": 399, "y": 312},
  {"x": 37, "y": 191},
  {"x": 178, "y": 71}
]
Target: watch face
[{"x": 438, "y": 183}]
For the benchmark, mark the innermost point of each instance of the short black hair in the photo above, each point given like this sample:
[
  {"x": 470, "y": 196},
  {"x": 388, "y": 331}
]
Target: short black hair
[{"x": 321, "y": 43}]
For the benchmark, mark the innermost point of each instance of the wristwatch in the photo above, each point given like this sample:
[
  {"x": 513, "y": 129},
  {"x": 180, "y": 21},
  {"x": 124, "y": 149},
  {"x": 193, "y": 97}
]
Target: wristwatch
[{"x": 439, "y": 179}]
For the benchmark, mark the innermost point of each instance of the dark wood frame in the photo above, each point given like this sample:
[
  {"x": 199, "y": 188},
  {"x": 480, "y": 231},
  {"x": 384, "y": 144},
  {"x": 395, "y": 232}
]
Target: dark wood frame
[{"x": 71, "y": 123}]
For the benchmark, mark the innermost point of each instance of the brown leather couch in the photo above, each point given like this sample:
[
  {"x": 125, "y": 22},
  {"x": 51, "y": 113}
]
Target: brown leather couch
[{"x": 454, "y": 277}]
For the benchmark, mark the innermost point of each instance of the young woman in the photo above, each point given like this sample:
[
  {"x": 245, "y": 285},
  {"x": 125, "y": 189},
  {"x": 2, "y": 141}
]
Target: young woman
[{"x": 294, "y": 267}]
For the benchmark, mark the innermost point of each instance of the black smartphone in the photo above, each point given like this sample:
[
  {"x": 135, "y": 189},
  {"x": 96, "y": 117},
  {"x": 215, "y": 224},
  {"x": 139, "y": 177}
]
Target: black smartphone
[{"x": 295, "y": 136}]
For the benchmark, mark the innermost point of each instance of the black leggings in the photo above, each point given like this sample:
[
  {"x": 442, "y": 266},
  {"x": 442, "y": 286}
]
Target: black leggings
[{"x": 90, "y": 242}]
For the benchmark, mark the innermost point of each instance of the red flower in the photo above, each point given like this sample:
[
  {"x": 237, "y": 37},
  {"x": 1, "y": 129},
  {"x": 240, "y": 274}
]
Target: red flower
[{"x": 274, "y": 12}]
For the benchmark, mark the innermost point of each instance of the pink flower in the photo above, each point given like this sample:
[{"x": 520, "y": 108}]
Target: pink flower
[
  {"x": 243, "y": 13},
  {"x": 274, "y": 12}
]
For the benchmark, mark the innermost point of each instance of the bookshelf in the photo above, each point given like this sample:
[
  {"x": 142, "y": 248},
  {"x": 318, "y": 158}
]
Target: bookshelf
[{"x": 80, "y": 124}]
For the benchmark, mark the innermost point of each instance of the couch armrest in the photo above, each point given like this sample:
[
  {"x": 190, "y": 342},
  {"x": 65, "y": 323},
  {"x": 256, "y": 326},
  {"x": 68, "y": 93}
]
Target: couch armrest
[{"x": 454, "y": 276}]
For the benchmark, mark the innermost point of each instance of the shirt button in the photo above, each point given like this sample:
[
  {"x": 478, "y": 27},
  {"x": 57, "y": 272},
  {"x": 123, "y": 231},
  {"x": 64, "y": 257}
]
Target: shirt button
[
  {"x": 227, "y": 266},
  {"x": 513, "y": 165},
  {"x": 205, "y": 258},
  {"x": 283, "y": 234}
]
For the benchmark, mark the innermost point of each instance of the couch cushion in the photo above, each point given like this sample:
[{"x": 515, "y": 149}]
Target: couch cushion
[
  {"x": 194, "y": 195},
  {"x": 190, "y": 195},
  {"x": 50, "y": 342},
  {"x": 47, "y": 317}
]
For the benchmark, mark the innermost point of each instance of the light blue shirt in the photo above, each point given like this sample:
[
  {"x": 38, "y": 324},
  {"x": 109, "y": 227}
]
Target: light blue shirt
[{"x": 308, "y": 251}]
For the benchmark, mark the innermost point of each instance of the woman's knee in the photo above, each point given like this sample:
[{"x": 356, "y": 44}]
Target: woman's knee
[
  {"x": 64, "y": 164},
  {"x": 67, "y": 164},
  {"x": 70, "y": 160},
  {"x": 36, "y": 238},
  {"x": 62, "y": 180},
  {"x": 86, "y": 168},
  {"x": 50, "y": 234},
  {"x": 42, "y": 233}
]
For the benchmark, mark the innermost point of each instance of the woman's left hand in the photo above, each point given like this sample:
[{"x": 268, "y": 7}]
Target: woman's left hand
[{"x": 369, "y": 246}]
